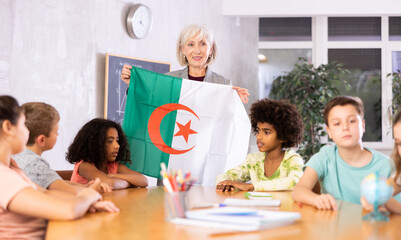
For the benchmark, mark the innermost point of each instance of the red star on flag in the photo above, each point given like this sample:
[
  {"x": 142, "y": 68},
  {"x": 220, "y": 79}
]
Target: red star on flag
[{"x": 185, "y": 131}]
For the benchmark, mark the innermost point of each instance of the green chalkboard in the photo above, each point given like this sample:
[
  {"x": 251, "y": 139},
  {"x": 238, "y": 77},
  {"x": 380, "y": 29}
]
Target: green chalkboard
[{"x": 115, "y": 89}]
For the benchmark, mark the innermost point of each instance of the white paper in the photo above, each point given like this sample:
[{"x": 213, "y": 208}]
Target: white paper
[
  {"x": 252, "y": 202},
  {"x": 258, "y": 195},
  {"x": 245, "y": 219}
]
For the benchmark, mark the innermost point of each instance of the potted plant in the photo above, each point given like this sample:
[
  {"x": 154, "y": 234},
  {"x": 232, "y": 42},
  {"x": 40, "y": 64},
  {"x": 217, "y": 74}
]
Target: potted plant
[
  {"x": 396, "y": 86},
  {"x": 310, "y": 88}
]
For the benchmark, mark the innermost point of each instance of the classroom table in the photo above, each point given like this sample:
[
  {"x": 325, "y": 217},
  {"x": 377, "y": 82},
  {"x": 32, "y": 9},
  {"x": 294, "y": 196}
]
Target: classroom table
[{"x": 142, "y": 216}]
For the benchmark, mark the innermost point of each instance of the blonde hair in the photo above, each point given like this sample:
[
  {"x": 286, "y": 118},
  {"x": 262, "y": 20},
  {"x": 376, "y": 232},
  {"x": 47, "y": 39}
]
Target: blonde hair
[
  {"x": 396, "y": 155},
  {"x": 190, "y": 32},
  {"x": 40, "y": 119}
]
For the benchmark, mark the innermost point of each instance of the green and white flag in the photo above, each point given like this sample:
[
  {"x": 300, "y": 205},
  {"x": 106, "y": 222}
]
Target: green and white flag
[{"x": 193, "y": 126}]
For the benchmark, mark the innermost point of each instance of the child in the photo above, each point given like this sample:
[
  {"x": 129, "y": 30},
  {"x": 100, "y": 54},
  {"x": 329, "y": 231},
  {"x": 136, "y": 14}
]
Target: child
[
  {"x": 100, "y": 150},
  {"x": 340, "y": 168},
  {"x": 393, "y": 205},
  {"x": 278, "y": 126},
  {"x": 24, "y": 206},
  {"x": 42, "y": 121}
]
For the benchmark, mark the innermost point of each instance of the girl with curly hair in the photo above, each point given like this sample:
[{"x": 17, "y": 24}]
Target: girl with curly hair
[
  {"x": 278, "y": 127},
  {"x": 100, "y": 150}
]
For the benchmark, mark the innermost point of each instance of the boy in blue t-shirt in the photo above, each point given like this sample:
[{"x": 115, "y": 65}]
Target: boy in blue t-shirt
[{"x": 341, "y": 168}]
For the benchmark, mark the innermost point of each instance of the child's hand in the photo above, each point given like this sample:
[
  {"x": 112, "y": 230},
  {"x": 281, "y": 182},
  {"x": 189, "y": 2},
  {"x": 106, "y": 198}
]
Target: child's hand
[
  {"x": 105, "y": 206},
  {"x": 90, "y": 193},
  {"x": 228, "y": 185},
  {"x": 89, "y": 183},
  {"x": 99, "y": 186},
  {"x": 224, "y": 187},
  {"x": 369, "y": 207},
  {"x": 366, "y": 206},
  {"x": 105, "y": 187},
  {"x": 325, "y": 202}
]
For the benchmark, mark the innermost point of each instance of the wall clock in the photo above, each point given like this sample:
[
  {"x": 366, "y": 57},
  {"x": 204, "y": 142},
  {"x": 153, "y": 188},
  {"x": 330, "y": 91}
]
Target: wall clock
[{"x": 139, "y": 21}]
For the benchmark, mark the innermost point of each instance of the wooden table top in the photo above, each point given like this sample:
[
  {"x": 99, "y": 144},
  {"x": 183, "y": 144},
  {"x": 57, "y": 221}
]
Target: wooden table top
[{"x": 142, "y": 216}]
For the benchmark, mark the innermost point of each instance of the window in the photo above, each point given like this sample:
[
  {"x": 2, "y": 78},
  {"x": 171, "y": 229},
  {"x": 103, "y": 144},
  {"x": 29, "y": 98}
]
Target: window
[
  {"x": 354, "y": 28},
  {"x": 394, "y": 28},
  {"x": 274, "y": 62},
  {"x": 396, "y": 60},
  {"x": 365, "y": 81},
  {"x": 280, "y": 54},
  {"x": 285, "y": 29},
  {"x": 368, "y": 46}
]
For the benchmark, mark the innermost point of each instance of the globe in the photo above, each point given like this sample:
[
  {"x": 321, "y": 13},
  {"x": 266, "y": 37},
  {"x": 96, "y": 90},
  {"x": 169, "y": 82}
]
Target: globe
[{"x": 377, "y": 190}]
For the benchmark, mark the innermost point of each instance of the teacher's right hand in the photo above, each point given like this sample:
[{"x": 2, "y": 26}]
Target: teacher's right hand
[{"x": 126, "y": 73}]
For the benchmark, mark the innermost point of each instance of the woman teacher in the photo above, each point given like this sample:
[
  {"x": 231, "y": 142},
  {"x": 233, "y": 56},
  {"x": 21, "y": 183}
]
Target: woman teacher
[{"x": 196, "y": 49}]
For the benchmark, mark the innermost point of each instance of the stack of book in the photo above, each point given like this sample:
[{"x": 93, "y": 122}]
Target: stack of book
[
  {"x": 254, "y": 199},
  {"x": 239, "y": 219}
]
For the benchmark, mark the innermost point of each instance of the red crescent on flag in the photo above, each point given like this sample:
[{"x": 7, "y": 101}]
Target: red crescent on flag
[{"x": 154, "y": 126}]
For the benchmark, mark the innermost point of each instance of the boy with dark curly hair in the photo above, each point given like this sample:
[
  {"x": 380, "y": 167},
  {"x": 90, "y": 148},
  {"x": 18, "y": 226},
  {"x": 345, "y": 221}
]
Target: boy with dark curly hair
[
  {"x": 100, "y": 150},
  {"x": 278, "y": 127}
]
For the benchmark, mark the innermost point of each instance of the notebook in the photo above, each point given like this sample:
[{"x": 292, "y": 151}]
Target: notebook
[
  {"x": 258, "y": 195},
  {"x": 252, "y": 202},
  {"x": 241, "y": 219}
]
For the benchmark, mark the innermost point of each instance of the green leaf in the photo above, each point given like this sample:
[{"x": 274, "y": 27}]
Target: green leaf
[{"x": 310, "y": 88}]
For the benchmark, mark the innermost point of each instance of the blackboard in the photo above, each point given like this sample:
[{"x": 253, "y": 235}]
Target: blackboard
[{"x": 115, "y": 89}]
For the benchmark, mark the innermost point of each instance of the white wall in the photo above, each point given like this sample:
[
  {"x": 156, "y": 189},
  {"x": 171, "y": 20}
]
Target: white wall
[
  {"x": 298, "y": 8},
  {"x": 54, "y": 51}
]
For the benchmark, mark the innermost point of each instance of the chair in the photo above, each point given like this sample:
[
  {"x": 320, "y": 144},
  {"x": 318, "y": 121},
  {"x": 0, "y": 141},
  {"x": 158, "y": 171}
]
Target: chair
[{"x": 65, "y": 174}]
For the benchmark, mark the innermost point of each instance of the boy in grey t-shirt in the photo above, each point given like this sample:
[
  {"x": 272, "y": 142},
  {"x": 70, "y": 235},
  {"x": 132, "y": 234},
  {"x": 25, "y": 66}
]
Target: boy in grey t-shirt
[
  {"x": 37, "y": 169},
  {"x": 42, "y": 120}
]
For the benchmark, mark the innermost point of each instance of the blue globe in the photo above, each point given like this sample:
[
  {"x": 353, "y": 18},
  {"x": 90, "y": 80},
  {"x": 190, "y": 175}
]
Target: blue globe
[{"x": 376, "y": 189}]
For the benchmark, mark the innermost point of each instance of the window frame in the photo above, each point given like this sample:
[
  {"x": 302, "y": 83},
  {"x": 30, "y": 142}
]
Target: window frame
[{"x": 320, "y": 45}]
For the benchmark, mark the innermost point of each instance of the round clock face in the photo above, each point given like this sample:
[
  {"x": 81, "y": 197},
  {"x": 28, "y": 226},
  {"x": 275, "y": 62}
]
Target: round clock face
[{"x": 139, "y": 21}]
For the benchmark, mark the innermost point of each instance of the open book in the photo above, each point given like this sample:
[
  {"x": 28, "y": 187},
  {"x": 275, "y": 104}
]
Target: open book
[{"x": 241, "y": 219}]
